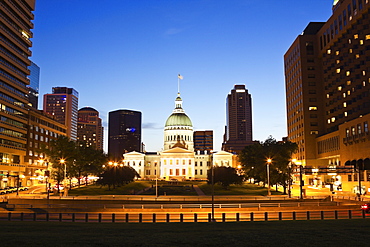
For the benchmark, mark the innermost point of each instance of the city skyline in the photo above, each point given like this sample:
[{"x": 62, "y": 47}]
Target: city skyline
[{"x": 136, "y": 49}]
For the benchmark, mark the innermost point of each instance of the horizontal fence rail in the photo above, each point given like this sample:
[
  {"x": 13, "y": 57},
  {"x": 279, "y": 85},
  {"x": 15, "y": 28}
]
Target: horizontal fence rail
[
  {"x": 180, "y": 206},
  {"x": 183, "y": 217}
]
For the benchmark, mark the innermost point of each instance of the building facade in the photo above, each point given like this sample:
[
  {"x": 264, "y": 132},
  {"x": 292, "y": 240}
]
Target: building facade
[
  {"x": 178, "y": 160},
  {"x": 203, "y": 140},
  {"x": 124, "y": 133},
  {"x": 15, "y": 34},
  {"x": 33, "y": 88},
  {"x": 327, "y": 93},
  {"x": 62, "y": 104},
  {"x": 42, "y": 129},
  {"x": 238, "y": 130},
  {"x": 89, "y": 128}
]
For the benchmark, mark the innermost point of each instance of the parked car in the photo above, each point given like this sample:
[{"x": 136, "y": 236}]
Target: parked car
[
  {"x": 3, "y": 191},
  {"x": 366, "y": 207},
  {"x": 10, "y": 189},
  {"x": 61, "y": 187},
  {"x": 23, "y": 188}
]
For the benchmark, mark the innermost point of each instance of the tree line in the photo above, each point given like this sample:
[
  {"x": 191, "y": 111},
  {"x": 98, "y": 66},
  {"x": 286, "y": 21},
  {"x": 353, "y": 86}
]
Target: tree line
[{"x": 70, "y": 159}]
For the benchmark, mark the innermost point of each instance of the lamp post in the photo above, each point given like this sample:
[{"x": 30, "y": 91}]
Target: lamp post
[
  {"x": 212, "y": 189},
  {"x": 291, "y": 166},
  {"x": 63, "y": 162},
  {"x": 156, "y": 180},
  {"x": 268, "y": 176}
]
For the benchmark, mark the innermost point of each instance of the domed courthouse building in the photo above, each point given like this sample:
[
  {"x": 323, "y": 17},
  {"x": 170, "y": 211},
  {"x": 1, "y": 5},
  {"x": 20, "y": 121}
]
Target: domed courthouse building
[{"x": 178, "y": 160}]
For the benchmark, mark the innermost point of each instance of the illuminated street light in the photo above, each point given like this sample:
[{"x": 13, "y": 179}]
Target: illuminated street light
[{"x": 268, "y": 176}]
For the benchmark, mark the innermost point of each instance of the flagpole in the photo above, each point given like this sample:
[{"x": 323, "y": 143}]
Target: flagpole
[{"x": 178, "y": 84}]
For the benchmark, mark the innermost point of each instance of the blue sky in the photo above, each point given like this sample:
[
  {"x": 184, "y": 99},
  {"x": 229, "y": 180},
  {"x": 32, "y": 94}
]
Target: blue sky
[{"x": 126, "y": 54}]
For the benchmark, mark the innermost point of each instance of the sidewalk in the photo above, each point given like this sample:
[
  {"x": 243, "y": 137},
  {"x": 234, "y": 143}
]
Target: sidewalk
[{"x": 198, "y": 190}]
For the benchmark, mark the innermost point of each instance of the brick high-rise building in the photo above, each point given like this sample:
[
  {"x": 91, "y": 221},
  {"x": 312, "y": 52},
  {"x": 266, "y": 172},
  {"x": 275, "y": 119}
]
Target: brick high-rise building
[
  {"x": 15, "y": 34},
  {"x": 327, "y": 81},
  {"x": 89, "y": 128},
  {"x": 62, "y": 104},
  {"x": 238, "y": 130}
]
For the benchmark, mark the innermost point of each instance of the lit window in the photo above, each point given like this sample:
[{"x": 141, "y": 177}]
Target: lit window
[
  {"x": 329, "y": 121},
  {"x": 337, "y": 53},
  {"x": 344, "y": 95},
  {"x": 344, "y": 104},
  {"x": 328, "y": 51},
  {"x": 340, "y": 88},
  {"x": 312, "y": 108},
  {"x": 333, "y": 119},
  {"x": 338, "y": 70},
  {"x": 361, "y": 42},
  {"x": 349, "y": 83},
  {"x": 348, "y": 73},
  {"x": 357, "y": 56},
  {"x": 363, "y": 72},
  {"x": 345, "y": 114},
  {"x": 367, "y": 37},
  {"x": 338, "y": 61},
  {"x": 355, "y": 36}
]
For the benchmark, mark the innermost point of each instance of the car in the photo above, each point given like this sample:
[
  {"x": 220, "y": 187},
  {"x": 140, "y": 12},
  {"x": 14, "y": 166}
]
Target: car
[
  {"x": 366, "y": 207},
  {"x": 61, "y": 187},
  {"x": 3, "y": 191},
  {"x": 10, "y": 189}
]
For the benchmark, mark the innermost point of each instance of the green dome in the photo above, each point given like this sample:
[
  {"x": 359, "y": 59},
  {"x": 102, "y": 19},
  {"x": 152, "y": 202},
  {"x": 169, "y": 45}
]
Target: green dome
[{"x": 178, "y": 119}]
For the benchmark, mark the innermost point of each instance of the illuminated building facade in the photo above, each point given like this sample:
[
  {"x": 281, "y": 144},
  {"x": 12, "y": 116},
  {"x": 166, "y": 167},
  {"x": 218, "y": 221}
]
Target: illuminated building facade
[
  {"x": 42, "y": 128},
  {"x": 178, "y": 160},
  {"x": 62, "y": 104},
  {"x": 15, "y": 34},
  {"x": 89, "y": 128},
  {"x": 327, "y": 94}
]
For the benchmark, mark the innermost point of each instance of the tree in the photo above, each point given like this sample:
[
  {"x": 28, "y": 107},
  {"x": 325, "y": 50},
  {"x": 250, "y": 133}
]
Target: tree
[
  {"x": 117, "y": 176},
  {"x": 88, "y": 161},
  {"x": 254, "y": 160},
  {"x": 225, "y": 176},
  {"x": 60, "y": 149}
]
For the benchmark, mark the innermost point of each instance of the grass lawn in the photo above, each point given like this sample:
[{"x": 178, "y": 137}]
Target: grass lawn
[
  {"x": 244, "y": 189},
  {"x": 127, "y": 189},
  {"x": 277, "y": 233},
  {"x": 170, "y": 188}
]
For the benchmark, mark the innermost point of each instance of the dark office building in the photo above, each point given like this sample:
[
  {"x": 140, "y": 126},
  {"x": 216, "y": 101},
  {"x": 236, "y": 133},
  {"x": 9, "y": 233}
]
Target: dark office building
[
  {"x": 62, "y": 104},
  {"x": 124, "y": 133},
  {"x": 238, "y": 130},
  {"x": 203, "y": 140},
  {"x": 33, "y": 88}
]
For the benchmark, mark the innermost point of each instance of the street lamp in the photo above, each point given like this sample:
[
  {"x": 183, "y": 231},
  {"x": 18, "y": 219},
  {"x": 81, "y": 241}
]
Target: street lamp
[
  {"x": 268, "y": 176},
  {"x": 291, "y": 166}
]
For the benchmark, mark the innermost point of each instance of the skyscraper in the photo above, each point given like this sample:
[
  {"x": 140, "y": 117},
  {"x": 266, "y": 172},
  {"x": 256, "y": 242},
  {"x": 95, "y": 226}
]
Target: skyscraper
[
  {"x": 124, "y": 132},
  {"x": 327, "y": 95},
  {"x": 203, "y": 140},
  {"x": 63, "y": 105},
  {"x": 89, "y": 128},
  {"x": 238, "y": 130},
  {"x": 15, "y": 35},
  {"x": 33, "y": 88}
]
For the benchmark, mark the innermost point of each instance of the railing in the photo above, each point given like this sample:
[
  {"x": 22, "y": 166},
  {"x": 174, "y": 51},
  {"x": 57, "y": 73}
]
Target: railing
[
  {"x": 184, "y": 217},
  {"x": 255, "y": 206}
]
